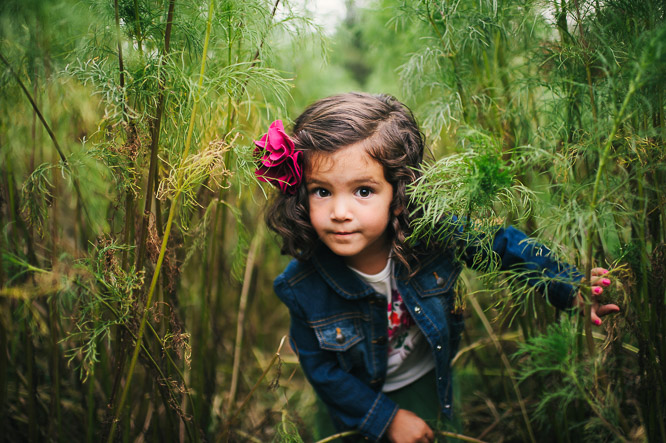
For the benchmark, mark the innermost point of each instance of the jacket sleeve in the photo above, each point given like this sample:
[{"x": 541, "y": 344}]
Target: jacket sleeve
[
  {"x": 352, "y": 404},
  {"x": 536, "y": 263}
]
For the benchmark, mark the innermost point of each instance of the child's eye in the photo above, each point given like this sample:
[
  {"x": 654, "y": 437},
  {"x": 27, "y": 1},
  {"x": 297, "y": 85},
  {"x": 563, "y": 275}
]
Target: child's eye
[
  {"x": 320, "y": 192},
  {"x": 364, "y": 192}
]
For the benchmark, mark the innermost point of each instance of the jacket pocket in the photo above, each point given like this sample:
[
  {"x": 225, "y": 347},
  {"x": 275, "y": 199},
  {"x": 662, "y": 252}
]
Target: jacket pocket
[
  {"x": 339, "y": 334},
  {"x": 437, "y": 276}
]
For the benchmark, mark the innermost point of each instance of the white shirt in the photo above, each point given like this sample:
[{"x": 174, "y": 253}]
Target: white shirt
[{"x": 409, "y": 355}]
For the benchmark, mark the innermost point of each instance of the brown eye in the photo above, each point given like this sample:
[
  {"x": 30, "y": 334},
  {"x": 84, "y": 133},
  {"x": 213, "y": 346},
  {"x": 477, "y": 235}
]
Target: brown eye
[
  {"x": 364, "y": 192},
  {"x": 320, "y": 192}
]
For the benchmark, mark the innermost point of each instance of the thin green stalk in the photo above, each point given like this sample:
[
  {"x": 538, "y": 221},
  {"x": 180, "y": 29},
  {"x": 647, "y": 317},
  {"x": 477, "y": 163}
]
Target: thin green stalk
[
  {"x": 2, "y": 268},
  {"x": 148, "y": 355},
  {"x": 339, "y": 435},
  {"x": 454, "y": 61},
  {"x": 75, "y": 181},
  {"x": 37, "y": 110},
  {"x": 592, "y": 402},
  {"x": 90, "y": 407},
  {"x": 55, "y": 416},
  {"x": 276, "y": 356},
  {"x": 17, "y": 221},
  {"x": 3, "y": 373},
  {"x": 137, "y": 28},
  {"x": 505, "y": 361},
  {"x": 155, "y": 125},
  {"x": 207, "y": 360},
  {"x": 232, "y": 113},
  {"x": 32, "y": 388},
  {"x": 129, "y": 200},
  {"x": 460, "y": 437},
  {"x": 586, "y": 60},
  {"x": 653, "y": 380},
  {"x": 167, "y": 230},
  {"x": 247, "y": 278},
  {"x": 591, "y": 233},
  {"x": 121, "y": 66}
]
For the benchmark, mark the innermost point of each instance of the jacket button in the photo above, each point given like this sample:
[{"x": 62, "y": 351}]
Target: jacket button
[
  {"x": 439, "y": 280},
  {"x": 438, "y": 347},
  {"x": 417, "y": 309},
  {"x": 338, "y": 336}
]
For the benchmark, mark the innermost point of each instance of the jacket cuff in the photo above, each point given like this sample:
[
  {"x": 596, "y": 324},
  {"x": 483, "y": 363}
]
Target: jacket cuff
[
  {"x": 379, "y": 417},
  {"x": 561, "y": 295},
  {"x": 563, "y": 288}
]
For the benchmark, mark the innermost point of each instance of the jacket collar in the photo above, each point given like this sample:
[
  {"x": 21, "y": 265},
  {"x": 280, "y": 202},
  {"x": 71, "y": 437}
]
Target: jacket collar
[{"x": 337, "y": 274}]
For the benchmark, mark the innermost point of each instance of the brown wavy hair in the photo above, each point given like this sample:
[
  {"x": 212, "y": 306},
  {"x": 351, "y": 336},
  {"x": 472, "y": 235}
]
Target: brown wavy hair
[{"x": 389, "y": 132}]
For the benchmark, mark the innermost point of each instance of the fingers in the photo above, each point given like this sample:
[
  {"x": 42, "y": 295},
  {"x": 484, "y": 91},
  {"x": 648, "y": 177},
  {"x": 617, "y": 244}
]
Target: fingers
[
  {"x": 428, "y": 437},
  {"x": 602, "y": 310},
  {"x": 599, "y": 281},
  {"x": 597, "y": 278},
  {"x": 599, "y": 311},
  {"x": 598, "y": 271}
]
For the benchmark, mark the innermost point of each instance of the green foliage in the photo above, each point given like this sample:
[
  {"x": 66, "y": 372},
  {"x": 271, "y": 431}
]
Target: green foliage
[
  {"x": 287, "y": 431},
  {"x": 552, "y": 358},
  {"x": 37, "y": 192},
  {"x": 106, "y": 299},
  {"x": 573, "y": 99},
  {"x": 553, "y": 118},
  {"x": 474, "y": 184}
]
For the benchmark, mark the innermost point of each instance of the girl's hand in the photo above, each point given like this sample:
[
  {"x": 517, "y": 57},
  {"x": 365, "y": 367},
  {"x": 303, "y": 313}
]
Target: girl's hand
[
  {"x": 407, "y": 427},
  {"x": 599, "y": 282}
]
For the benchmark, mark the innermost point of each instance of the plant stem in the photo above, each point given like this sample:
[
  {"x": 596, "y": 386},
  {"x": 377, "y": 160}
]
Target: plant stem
[
  {"x": 454, "y": 60},
  {"x": 591, "y": 233},
  {"x": 505, "y": 360},
  {"x": 32, "y": 388},
  {"x": 276, "y": 356},
  {"x": 155, "y": 125},
  {"x": 55, "y": 419},
  {"x": 36, "y": 109},
  {"x": 167, "y": 230},
  {"x": 75, "y": 181},
  {"x": 137, "y": 28},
  {"x": 3, "y": 371},
  {"x": 247, "y": 278}
]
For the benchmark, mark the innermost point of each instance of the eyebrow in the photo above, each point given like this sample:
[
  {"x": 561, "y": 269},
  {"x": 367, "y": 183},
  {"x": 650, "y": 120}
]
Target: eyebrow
[{"x": 356, "y": 181}]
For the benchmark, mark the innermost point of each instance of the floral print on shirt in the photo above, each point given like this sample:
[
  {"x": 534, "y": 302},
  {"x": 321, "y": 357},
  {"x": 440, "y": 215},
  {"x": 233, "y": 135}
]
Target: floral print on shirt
[{"x": 399, "y": 323}]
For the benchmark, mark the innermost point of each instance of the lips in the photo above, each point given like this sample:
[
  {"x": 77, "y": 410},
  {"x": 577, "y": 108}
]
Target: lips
[{"x": 343, "y": 234}]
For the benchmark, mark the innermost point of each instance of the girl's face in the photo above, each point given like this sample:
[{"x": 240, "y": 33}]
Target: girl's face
[{"x": 349, "y": 202}]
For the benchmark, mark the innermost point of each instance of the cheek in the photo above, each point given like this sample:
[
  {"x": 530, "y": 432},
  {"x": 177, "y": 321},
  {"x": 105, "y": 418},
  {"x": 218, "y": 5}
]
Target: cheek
[
  {"x": 374, "y": 221},
  {"x": 316, "y": 216}
]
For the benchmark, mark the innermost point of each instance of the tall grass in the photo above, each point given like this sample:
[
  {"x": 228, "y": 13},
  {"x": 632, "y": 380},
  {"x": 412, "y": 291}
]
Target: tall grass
[
  {"x": 135, "y": 279},
  {"x": 107, "y": 222},
  {"x": 572, "y": 95}
]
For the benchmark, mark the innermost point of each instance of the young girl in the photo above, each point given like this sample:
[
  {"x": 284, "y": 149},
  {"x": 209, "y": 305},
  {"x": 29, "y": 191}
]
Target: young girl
[{"x": 372, "y": 317}]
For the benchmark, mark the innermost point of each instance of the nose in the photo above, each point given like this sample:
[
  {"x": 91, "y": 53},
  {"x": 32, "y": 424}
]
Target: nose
[{"x": 340, "y": 210}]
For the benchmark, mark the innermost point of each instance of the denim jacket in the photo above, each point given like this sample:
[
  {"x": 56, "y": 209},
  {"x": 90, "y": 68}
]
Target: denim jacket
[{"x": 339, "y": 324}]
